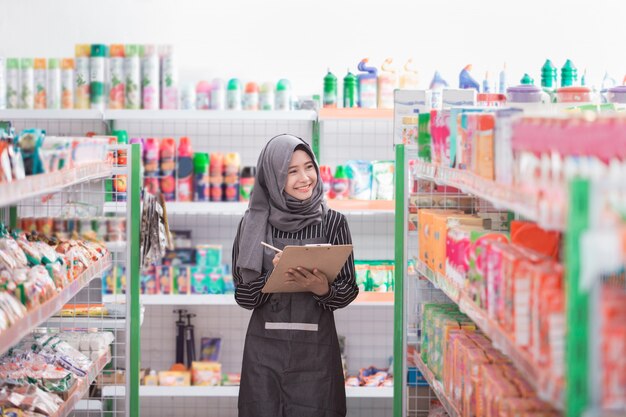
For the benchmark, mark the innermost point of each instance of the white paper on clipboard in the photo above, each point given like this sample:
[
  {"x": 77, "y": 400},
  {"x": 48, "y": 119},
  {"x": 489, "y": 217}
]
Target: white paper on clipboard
[{"x": 327, "y": 258}]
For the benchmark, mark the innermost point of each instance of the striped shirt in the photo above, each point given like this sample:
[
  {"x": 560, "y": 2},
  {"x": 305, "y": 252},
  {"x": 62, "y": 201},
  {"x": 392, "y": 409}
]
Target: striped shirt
[{"x": 341, "y": 292}]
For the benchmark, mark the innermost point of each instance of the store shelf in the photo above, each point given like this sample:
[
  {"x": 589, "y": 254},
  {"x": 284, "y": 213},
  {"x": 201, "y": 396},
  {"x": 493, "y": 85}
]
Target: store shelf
[
  {"x": 86, "y": 323},
  {"x": 35, "y": 317},
  {"x": 437, "y": 387},
  {"x": 116, "y": 247},
  {"x": 363, "y": 206},
  {"x": 161, "y": 115},
  {"x": 22, "y": 114},
  {"x": 546, "y": 385},
  {"x": 356, "y": 114},
  {"x": 530, "y": 204},
  {"x": 374, "y": 299},
  {"x": 229, "y": 391},
  {"x": 69, "y": 406},
  {"x": 89, "y": 405},
  {"x": 35, "y": 185}
]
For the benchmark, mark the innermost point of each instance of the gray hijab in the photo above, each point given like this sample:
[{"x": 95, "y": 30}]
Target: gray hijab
[{"x": 271, "y": 206}]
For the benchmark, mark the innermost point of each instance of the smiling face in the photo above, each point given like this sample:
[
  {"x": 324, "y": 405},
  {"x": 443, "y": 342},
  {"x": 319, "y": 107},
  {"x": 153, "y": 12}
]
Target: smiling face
[{"x": 301, "y": 176}]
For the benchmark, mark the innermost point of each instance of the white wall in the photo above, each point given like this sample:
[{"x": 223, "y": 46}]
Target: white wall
[{"x": 270, "y": 39}]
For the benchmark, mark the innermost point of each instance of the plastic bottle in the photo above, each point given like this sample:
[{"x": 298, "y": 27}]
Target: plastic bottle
[
  {"x": 97, "y": 64},
  {"x": 120, "y": 185},
  {"x": 583, "y": 79},
  {"x": 150, "y": 95},
  {"x": 216, "y": 177},
  {"x": 201, "y": 176},
  {"x": 251, "y": 97},
  {"x": 367, "y": 85},
  {"x": 502, "y": 80},
  {"x": 569, "y": 74},
  {"x": 527, "y": 80},
  {"x": 13, "y": 83},
  {"x": 218, "y": 94},
  {"x": 167, "y": 162},
  {"x": 203, "y": 95},
  {"x": 607, "y": 83},
  {"x": 151, "y": 166},
  {"x": 232, "y": 165},
  {"x": 266, "y": 96},
  {"x": 3, "y": 83},
  {"x": 233, "y": 94},
  {"x": 27, "y": 84},
  {"x": 466, "y": 80},
  {"x": 184, "y": 171},
  {"x": 116, "y": 79},
  {"x": 330, "y": 90},
  {"x": 188, "y": 97},
  {"x": 548, "y": 78},
  {"x": 486, "y": 86},
  {"x": 283, "y": 95},
  {"x": 41, "y": 83},
  {"x": 169, "y": 78},
  {"x": 350, "y": 91},
  {"x": 246, "y": 183},
  {"x": 132, "y": 77},
  {"x": 326, "y": 176},
  {"x": 437, "y": 84},
  {"x": 53, "y": 89},
  {"x": 81, "y": 88},
  {"x": 340, "y": 188},
  {"x": 387, "y": 80},
  {"x": 409, "y": 79}
]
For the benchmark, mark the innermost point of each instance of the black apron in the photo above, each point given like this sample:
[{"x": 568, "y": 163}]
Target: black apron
[{"x": 291, "y": 360}]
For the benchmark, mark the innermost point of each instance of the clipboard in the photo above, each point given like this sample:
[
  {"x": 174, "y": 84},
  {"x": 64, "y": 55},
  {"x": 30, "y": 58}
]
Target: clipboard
[{"x": 327, "y": 258}]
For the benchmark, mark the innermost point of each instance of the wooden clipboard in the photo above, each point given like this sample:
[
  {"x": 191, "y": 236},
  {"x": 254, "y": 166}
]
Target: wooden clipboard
[{"x": 327, "y": 258}]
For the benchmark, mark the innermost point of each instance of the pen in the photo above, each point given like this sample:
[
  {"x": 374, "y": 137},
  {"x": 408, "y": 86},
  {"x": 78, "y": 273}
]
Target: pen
[{"x": 271, "y": 247}]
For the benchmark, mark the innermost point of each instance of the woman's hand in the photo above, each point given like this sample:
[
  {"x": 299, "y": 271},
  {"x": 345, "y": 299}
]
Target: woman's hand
[
  {"x": 276, "y": 259},
  {"x": 314, "y": 281}
]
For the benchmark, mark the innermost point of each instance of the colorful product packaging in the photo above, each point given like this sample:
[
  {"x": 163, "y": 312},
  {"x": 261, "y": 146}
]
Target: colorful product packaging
[
  {"x": 382, "y": 180},
  {"x": 181, "y": 280},
  {"x": 206, "y": 373},
  {"x": 360, "y": 177}
]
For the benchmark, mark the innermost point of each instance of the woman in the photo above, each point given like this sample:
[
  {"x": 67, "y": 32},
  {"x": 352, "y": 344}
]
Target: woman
[{"x": 291, "y": 361}]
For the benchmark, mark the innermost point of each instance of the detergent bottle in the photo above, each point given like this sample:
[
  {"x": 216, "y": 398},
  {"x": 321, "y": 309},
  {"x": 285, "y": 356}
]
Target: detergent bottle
[
  {"x": 340, "y": 189},
  {"x": 548, "y": 78},
  {"x": 330, "y": 90},
  {"x": 466, "y": 80},
  {"x": 350, "y": 93},
  {"x": 569, "y": 74},
  {"x": 367, "y": 85},
  {"x": 184, "y": 170},
  {"x": 409, "y": 79},
  {"x": 387, "y": 81},
  {"x": 437, "y": 84},
  {"x": 326, "y": 176}
]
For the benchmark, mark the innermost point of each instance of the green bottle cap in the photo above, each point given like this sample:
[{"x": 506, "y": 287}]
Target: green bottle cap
[
  {"x": 234, "y": 84},
  {"x": 350, "y": 78},
  {"x": 548, "y": 75},
  {"x": 131, "y": 50},
  {"x": 330, "y": 83},
  {"x": 122, "y": 137},
  {"x": 26, "y": 63},
  {"x": 54, "y": 63},
  {"x": 283, "y": 85},
  {"x": 527, "y": 80},
  {"x": 340, "y": 172},
  {"x": 200, "y": 162},
  {"x": 569, "y": 74},
  {"x": 98, "y": 50},
  {"x": 13, "y": 63},
  {"x": 141, "y": 50}
]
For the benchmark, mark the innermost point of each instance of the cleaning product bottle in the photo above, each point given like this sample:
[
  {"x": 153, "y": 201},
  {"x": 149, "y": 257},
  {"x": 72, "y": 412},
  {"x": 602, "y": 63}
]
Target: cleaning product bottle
[
  {"x": 340, "y": 189},
  {"x": 330, "y": 90},
  {"x": 409, "y": 80},
  {"x": 283, "y": 95},
  {"x": 97, "y": 64},
  {"x": 117, "y": 85},
  {"x": 41, "y": 86},
  {"x": 13, "y": 83},
  {"x": 326, "y": 176},
  {"x": 246, "y": 183},
  {"x": 251, "y": 96},
  {"x": 188, "y": 97},
  {"x": 232, "y": 165},
  {"x": 184, "y": 171},
  {"x": 169, "y": 78},
  {"x": 233, "y": 94},
  {"x": 151, "y": 166},
  {"x": 216, "y": 177},
  {"x": 201, "y": 175},
  {"x": 548, "y": 78},
  {"x": 387, "y": 80},
  {"x": 203, "y": 95},
  {"x": 527, "y": 80},
  {"x": 132, "y": 77},
  {"x": 67, "y": 83},
  {"x": 167, "y": 162},
  {"x": 266, "y": 96},
  {"x": 54, "y": 84},
  {"x": 350, "y": 90},
  {"x": 120, "y": 185},
  {"x": 150, "y": 95},
  {"x": 218, "y": 94},
  {"x": 569, "y": 74},
  {"x": 367, "y": 85},
  {"x": 81, "y": 88},
  {"x": 27, "y": 84},
  {"x": 502, "y": 81},
  {"x": 437, "y": 84},
  {"x": 486, "y": 87},
  {"x": 466, "y": 80}
]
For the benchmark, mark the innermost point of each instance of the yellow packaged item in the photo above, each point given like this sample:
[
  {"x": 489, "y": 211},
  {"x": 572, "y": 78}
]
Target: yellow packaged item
[
  {"x": 206, "y": 373},
  {"x": 174, "y": 378}
]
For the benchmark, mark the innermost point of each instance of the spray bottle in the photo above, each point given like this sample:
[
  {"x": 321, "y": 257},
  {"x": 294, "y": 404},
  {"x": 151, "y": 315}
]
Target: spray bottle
[
  {"x": 13, "y": 83},
  {"x": 201, "y": 176},
  {"x": 150, "y": 94},
  {"x": 167, "y": 162},
  {"x": 233, "y": 94},
  {"x": 367, "y": 85},
  {"x": 67, "y": 83},
  {"x": 266, "y": 96},
  {"x": 350, "y": 91},
  {"x": 97, "y": 64},
  {"x": 330, "y": 90},
  {"x": 246, "y": 183},
  {"x": 169, "y": 78},
  {"x": 466, "y": 80},
  {"x": 184, "y": 171},
  {"x": 409, "y": 80},
  {"x": 132, "y": 77},
  {"x": 188, "y": 97},
  {"x": 54, "y": 83},
  {"x": 151, "y": 166},
  {"x": 120, "y": 183},
  {"x": 203, "y": 95},
  {"x": 283, "y": 95},
  {"x": 216, "y": 177},
  {"x": 117, "y": 86},
  {"x": 387, "y": 80},
  {"x": 232, "y": 165},
  {"x": 41, "y": 96},
  {"x": 218, "y": 95},
  {"x": 81, "y": 88},
  {"x": 251, "y": 96},
  {"x": 27, "y": 84}
]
